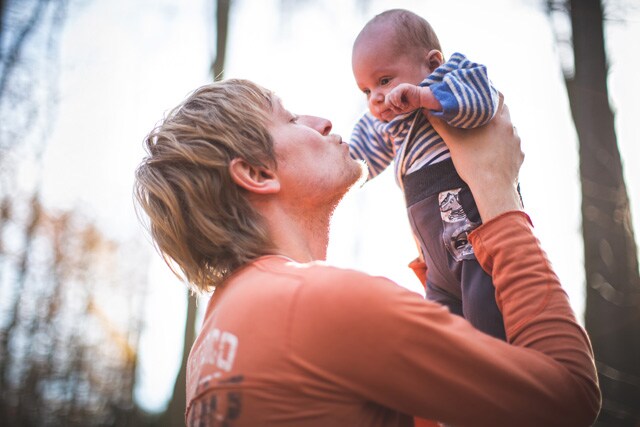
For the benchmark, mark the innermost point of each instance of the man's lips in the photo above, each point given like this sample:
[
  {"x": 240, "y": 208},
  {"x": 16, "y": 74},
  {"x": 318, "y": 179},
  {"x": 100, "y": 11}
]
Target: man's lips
[{"x": 338, "y": 139}]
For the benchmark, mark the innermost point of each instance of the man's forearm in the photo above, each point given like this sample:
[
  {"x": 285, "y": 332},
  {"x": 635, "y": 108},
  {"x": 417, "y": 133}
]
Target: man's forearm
[{"x": 536, "y": 310}]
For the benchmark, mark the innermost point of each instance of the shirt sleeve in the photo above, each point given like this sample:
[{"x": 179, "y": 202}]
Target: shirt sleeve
[
  {"x": 390, "y": 346},
  {"x": 463, "y": 88},
  {"x": 371, "y": 143}
]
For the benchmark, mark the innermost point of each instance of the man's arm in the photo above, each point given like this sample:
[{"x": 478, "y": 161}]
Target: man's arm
[
  {"x": 394, "y": 348},
  {"x": 389, "y": 346},
  {"x": 488, "y": 159}
]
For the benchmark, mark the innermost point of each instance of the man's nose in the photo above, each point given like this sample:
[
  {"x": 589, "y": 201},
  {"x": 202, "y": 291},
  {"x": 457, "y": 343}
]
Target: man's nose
[{"x": 323, "y": 126}]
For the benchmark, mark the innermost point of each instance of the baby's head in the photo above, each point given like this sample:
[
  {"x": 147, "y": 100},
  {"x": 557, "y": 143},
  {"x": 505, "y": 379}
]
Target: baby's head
[{"x": 396, "y": 46}]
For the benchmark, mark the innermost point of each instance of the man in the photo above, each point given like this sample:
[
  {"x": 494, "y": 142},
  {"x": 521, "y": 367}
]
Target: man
[{"x": 239, "y": 193}]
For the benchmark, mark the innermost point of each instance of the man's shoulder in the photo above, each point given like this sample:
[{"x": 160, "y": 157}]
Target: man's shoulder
[
  {"x": 320, "y": 276},
  {"x": 350, "y": 289},
  {"x": 322, "y": 273},
  {"x": 321, "y": 285},
  {"x": 315, "y": 272}
]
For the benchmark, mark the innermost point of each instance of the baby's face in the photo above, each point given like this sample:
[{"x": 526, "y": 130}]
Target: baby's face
[{"x": 378, "y": 67}]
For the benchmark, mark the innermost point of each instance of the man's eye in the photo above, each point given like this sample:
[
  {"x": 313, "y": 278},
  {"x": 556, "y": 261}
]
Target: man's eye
[
  {"x": 385, "y": 81},
  {"x": 294, "y": 119}
]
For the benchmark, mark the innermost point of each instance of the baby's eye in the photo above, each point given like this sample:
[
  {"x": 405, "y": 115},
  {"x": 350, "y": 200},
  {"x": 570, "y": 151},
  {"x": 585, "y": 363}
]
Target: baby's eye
[
  {"x": 294, "y": 119},
  {"x": 367, "y": 92},
  {"x": 385, "y": 81}
]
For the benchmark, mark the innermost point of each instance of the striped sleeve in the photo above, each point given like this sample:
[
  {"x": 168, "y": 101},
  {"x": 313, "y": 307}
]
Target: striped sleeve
[
  {"x": 463, "y": 88},
  {"x": 370, "y": 142}
]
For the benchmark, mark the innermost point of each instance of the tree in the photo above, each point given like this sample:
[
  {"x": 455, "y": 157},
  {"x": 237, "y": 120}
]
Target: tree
[
  {"x": 174, "y": 414},
  {"x": 222, "y": 32},
  {"x": 70, "y": 298},
  {"x": 612, "y": 315}
]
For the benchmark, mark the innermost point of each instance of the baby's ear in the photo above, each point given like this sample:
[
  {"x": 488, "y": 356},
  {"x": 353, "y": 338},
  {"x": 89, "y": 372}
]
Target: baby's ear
[
  {"x": 256, "y": 179},
  {"x": 435, "y": 58}
]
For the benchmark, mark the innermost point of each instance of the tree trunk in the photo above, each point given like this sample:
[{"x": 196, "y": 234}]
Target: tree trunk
[
  {"x": 612, "y": 315},
  {"x": 222, "y": 30},
  {"x": 1, "y": 23},
  {"x": 174, "y": 414}
]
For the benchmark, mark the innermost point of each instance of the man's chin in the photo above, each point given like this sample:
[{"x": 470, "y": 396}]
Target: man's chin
[{"x": 359, "y": 173}]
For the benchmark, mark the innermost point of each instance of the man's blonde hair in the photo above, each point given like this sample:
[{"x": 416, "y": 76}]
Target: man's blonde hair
[{"x": 199, "y": 218}]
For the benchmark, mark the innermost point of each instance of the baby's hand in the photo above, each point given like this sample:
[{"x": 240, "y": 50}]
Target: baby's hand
[
  {"x": 407, "y": 97},
  {"x": 403, "y": 98}
]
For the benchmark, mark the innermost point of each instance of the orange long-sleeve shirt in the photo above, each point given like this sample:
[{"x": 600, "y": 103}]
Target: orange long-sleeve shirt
[{"x": 288, "y": 344}]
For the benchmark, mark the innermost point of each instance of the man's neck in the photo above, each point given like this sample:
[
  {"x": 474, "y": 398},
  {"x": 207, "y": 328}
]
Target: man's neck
[{"x": 301, "y": 236}]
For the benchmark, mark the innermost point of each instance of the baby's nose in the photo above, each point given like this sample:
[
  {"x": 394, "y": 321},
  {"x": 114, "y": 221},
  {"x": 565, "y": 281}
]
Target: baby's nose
[{"x": 377, "y": 97}]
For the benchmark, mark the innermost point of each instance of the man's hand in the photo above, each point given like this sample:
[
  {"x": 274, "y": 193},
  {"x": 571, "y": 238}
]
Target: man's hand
[
  {"x": 488, "y": 159},
  {"x": 406, "y": 97}
]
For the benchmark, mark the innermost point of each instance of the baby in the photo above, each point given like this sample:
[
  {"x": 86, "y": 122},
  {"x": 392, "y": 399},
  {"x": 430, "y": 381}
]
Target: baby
[{"x": 398, "y": 64}]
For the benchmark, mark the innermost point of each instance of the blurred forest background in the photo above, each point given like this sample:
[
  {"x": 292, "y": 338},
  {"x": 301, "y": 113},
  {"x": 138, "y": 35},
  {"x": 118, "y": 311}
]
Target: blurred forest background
[{"x": 93, "y": 329}]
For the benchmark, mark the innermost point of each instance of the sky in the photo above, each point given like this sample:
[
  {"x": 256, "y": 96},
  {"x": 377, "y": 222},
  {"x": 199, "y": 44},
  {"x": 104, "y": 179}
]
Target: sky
[{"x": 125, "y": 63}]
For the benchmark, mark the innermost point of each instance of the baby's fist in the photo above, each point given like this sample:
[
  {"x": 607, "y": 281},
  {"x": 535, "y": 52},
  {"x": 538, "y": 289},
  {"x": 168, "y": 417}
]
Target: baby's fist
[{"x": 403, "y": 98}]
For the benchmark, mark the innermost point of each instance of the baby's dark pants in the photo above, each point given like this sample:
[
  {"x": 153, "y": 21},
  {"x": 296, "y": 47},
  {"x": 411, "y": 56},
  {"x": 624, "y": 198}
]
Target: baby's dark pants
[{"x": 442, "y": 212}]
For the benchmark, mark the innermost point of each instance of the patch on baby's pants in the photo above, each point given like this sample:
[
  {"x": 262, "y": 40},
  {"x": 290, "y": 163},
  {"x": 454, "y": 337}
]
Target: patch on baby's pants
[{"x": 456, "y": 226}]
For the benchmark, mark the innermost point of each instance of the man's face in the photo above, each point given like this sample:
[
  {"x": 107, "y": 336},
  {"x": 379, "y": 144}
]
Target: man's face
[
  {"x": 379, "y": 66},
  {"x": 314, "y": 166}
]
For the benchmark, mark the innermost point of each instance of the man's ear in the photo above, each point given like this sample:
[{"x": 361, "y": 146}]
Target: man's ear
[
  {"x": 256, "y": 179},
  {"x": 434, "y": 59}
]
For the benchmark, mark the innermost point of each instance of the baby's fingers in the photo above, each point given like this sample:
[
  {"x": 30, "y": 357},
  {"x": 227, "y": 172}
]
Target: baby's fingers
[{"x": 393, "y": 100}]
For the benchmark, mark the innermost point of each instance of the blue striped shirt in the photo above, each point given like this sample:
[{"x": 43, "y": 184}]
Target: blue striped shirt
[{"x": 468, "y": 100}]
